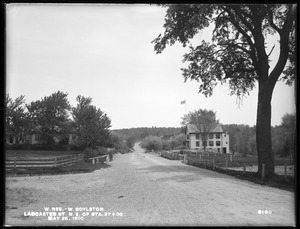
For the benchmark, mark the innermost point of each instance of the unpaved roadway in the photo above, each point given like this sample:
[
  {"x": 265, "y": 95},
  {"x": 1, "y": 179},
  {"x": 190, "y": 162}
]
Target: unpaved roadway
[{"x": 144, "y": 189}]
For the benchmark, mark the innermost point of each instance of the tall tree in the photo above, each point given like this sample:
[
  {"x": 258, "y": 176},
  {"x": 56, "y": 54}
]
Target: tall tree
[
  {"x": 50, "y": 116},
  {"x": 17, "y": 122},
  {"x": 205, "y": 121},
  {"x": 288, "y": 125},
  {"x": 237, "y": 54},
  {"x": 91, "y": 124}
]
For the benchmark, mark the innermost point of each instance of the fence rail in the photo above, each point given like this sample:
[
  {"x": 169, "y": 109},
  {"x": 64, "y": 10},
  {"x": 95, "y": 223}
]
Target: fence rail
[
  {"x": 28, "y": 162},
  {"x": 171, "y": 155},
  {"x": 236, "y": 163},
  {"x": 98, "y": 159},
  {"x": 227, "y": 162}
]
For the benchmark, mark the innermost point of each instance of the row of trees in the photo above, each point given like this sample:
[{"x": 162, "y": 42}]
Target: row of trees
[
  {"x": 140, "y": 133},
  {"x": 242, "y": 138},
  {"x": 49, "y": 119}
]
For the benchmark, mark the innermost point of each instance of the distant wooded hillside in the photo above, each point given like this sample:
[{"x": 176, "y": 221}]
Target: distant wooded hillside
[{"x": 140, "y": 133}]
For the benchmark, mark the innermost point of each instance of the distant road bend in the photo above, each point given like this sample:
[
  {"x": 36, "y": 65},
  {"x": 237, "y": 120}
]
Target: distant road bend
[{"x": 144, "y": 189}]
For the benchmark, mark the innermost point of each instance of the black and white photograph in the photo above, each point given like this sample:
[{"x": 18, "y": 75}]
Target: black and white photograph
[{"x": 139, "y": 114}]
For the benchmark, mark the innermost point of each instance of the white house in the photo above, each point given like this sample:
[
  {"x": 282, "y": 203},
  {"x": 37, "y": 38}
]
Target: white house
[{"x": 217, "y": 140}]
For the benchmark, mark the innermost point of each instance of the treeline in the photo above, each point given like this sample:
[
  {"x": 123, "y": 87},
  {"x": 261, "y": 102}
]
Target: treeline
[
  {"x": 242, "y": 138},
  {"x": 152, "y": 138},
  {"x": 140, "y": 133},
  {"x": 52, "y": 120}
]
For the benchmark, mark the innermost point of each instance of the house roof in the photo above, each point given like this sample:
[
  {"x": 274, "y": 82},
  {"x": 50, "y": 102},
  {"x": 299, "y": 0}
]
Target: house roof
[{"x": 192, "y": 128}]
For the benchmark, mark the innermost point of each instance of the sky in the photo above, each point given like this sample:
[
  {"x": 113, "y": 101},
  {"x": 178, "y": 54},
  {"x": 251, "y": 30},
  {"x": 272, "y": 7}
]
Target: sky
[{"x": 105, "y": 52}]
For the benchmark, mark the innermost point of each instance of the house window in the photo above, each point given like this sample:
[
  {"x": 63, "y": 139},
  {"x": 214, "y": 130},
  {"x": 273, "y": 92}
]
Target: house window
[
  {"x": 218, "y": 136},
  {"x": 218, "y": 143},
  {"x": 211, "y": 143},
  {"x": 197, "y": 136},
  {"x": 187, "y": 137},
  {"x": 211, "y": 136},
  {"x": 197, "y": 143}
]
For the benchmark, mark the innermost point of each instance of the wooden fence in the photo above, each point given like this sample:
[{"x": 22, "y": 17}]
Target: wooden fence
[
  {"x": 171, "y": 155},
  {"x": 99, "y": 159},
  {"x": 225, "y": 162},
  {"x": 228, "y": 162},
  {"x": 31, "y": 162}
]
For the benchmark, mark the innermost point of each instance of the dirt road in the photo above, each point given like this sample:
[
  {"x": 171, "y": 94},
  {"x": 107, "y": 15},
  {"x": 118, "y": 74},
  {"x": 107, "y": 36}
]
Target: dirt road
[{"x": 143, "y": 189}]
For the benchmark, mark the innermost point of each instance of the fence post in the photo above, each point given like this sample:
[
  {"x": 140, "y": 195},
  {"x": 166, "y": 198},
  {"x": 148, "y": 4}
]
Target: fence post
[
  {"x": 230, "y": 157},
  {"x": 263, "y": 172},
  {"x": 285, "y": 171},
  {"x": 15, "y": 162},
  {"x": 200, "y": 156},
  {"x": 55, "y": 161},
  {"x": 244, "y": 169}
]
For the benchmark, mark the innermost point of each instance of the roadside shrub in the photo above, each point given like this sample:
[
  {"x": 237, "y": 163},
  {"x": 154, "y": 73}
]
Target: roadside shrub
[
  {"x": 167, "y": 145},
  {"x": 102, "y": 150},
  {"x": 152, "y": 143},
  {"x": 89, "y": 152}
]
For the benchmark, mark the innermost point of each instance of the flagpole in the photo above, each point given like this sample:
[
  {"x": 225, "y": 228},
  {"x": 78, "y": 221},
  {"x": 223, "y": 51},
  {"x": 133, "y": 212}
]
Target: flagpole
[
  {"x": 184, "y": 102},
  {"x": 185, "y": 107}
]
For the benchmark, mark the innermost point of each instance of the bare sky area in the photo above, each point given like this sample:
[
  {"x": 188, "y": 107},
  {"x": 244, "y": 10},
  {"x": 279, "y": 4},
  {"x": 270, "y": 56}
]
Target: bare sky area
[{"x": 105, "y": 52}]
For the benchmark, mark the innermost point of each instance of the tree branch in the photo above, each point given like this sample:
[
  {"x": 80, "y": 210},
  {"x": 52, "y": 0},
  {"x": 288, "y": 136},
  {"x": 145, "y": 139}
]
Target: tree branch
[
  {"x": 272, "y": 22},
  {"x": 244, "y": 20},
  {"x": 284, "y": 46},
  {"x": 247, "y": 37},
  {"x": 271, "y": 50}
]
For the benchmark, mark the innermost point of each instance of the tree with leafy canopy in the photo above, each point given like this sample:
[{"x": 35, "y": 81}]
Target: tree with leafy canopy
[
  {"x": 50, "y": 116},
  {"x": 17, "y": 120},
  {"x": 152, "y": 143},
  {"x": 288, "y": 126},
  {"x": 91, "y": 124},
  {"x": 237, "y": 54}
]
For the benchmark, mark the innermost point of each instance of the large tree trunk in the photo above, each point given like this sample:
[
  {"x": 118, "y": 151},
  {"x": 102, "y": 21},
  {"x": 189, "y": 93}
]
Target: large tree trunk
[{"x": 263, "y": 130}]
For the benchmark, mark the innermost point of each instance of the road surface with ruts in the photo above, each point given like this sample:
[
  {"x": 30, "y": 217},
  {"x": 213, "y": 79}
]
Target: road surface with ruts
[{"x": 142, "y": 189}]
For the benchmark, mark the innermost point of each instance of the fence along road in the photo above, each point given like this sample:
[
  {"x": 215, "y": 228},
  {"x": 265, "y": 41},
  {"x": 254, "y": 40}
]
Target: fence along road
[
  {"x": 29, "y": 162},
  {"x": 154, "y": 191}
]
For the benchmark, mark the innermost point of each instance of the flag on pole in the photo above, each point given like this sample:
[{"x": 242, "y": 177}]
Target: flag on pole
[{"x": 182, "y": 102}]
